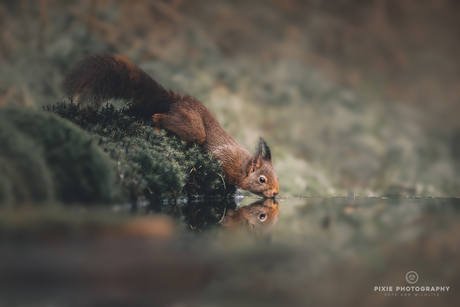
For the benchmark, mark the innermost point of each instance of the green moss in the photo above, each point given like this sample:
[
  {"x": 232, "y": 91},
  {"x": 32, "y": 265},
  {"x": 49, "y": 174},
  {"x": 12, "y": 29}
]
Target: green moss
[
  {"x": 23, "y": 171},
  {"x": 45, "y": 158},
  {"x": 151, "y": 164}
]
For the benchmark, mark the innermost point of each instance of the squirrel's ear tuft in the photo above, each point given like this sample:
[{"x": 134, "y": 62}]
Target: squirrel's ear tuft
[
  {"x": 264, "y": 151},
  {"x": 255, "y": 163},
  {"x": 260, "y": 147}
]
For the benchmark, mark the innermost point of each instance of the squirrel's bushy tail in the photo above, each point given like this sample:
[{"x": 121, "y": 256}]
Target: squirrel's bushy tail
[{"x": 97, "y": 78}]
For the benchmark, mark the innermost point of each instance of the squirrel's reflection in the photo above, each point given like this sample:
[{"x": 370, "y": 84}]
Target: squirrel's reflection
[{"x": 258, "y": 218}]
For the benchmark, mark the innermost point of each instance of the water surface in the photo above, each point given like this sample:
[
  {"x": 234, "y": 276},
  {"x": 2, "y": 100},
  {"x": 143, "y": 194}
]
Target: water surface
[{"x": 288, "y": 252}]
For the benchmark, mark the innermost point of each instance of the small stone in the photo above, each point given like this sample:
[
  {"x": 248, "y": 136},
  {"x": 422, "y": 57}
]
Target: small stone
[{"x": 351, "y": 196}]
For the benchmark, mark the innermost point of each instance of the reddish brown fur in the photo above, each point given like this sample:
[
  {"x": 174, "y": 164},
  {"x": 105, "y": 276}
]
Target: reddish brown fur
[
  {"x": 98, "y": 78},
  {"x": 259, "y": 217}
]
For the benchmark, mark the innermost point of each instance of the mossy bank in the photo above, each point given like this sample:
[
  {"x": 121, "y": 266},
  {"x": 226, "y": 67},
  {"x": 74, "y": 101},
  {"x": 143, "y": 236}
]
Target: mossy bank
[{"x": 101, "y": 156}]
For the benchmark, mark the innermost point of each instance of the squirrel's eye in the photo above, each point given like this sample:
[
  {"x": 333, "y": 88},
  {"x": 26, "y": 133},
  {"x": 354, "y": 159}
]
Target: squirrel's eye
[
  {"x": 262, "y": 217},
  {"x": 262, "y": 179}
]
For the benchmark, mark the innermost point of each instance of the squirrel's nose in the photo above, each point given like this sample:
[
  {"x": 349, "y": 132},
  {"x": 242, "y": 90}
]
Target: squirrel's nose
[{"x": 275, "y": 193}]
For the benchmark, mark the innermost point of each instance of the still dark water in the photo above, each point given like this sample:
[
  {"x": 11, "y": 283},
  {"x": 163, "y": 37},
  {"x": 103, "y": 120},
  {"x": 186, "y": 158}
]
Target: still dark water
[{"x": 288, "y": 252}]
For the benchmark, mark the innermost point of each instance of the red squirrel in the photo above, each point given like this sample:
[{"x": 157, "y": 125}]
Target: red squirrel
[
  {"x": 258, "y": 218},
  {"x": 97, "y": 78}
]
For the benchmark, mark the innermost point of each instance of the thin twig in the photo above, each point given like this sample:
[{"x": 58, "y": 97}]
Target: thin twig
[
  {"x": 223, "y": 215},
  {"x": 225, "y": 187}
]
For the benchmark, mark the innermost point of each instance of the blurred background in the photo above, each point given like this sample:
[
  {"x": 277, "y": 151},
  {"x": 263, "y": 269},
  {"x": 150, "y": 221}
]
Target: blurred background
[{"x": 352, "y": 96}]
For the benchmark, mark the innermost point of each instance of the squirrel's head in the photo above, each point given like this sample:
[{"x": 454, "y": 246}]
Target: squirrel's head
[
  {"x": 259, "y": 217},
  {"x": 261, "y": 178}
]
